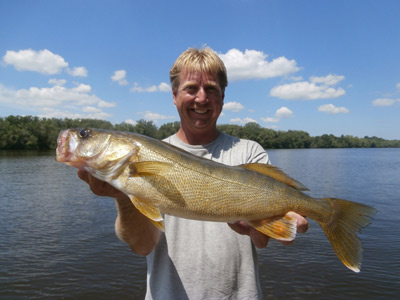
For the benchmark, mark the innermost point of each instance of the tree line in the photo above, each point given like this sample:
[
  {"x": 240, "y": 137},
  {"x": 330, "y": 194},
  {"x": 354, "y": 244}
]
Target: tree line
[{"x": 34, "y": 133}]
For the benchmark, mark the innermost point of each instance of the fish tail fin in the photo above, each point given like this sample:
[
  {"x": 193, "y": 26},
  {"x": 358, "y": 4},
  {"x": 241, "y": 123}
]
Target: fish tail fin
[{"x": 347, "y": 219}]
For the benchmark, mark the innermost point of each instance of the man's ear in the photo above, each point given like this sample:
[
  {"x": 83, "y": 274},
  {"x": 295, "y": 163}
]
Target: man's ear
[{"x": 174, "y": 94}]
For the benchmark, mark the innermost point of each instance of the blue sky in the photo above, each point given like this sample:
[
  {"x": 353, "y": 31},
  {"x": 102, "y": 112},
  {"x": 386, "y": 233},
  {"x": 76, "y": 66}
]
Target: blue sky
[{"x": 319, "y": 66}]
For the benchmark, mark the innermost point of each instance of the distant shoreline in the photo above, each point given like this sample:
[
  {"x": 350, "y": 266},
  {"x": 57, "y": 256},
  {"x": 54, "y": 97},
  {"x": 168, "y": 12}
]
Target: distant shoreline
[{"x": 34, "y": 133}]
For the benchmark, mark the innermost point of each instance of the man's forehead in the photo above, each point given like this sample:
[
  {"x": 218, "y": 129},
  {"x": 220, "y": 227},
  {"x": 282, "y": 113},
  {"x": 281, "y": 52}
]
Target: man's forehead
[{"x": 196, "y": 76}]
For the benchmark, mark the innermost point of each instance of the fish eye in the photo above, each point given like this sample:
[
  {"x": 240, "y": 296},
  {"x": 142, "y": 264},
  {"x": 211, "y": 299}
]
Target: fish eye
[{"x": 84, "y": 133}]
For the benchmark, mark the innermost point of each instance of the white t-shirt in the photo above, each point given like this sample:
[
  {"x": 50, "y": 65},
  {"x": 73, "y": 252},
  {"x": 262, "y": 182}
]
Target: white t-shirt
[{"x": 206, "y": 260}]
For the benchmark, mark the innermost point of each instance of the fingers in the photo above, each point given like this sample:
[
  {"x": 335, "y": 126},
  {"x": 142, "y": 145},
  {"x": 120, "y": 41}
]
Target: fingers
[
  {"x": 98, "y": 187},
  {"x": 259, "y": 240},
  {"x": 83, "y": 175},
  {"x": 302, "y": 223},
  {"x": 240, "y": 227}
]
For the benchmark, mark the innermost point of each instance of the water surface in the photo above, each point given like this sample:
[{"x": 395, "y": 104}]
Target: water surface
[{"x": 57, "y": 239}]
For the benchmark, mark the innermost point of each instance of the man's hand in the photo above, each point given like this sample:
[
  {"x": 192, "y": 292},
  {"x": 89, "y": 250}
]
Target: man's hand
[
  {"x": 261, "y": 240},
  {"x": 100, "y": 188}
]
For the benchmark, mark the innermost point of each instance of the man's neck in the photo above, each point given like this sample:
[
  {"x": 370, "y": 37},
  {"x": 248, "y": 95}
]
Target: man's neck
[{"x": 190, "y": 138}]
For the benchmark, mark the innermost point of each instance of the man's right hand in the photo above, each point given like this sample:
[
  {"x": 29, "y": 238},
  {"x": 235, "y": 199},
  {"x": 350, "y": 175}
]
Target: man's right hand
[
  {"x": 100, "y": 188},
  {"x": 131, "y": 226}
]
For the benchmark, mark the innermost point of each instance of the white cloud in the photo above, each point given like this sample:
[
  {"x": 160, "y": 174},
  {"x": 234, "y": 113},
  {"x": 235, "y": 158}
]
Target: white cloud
[
  {"x": 280, "y": 113},
  {"x": 43, "y": 61},
  {"x": 91, "y": 109},
  {"x": 398, "y": 85},
  {"x": 162, "y": 87},
  {"x": 330, "y": 79},
  {"x": 78, "y": 72},
  {"x": 105, "y": 104},
  {"x": 283, "y": 112},
  {"x": 131, "y": 122},
  {"x": 384, "y": 102},
  {"x": 242, "y": 121},
  {"x": 316, "y": 88},
  {"x": 57, "y": 113},
  {"x": 57, "y": 101},
  {"x": 82, "y": 88},
  {"x": 119, "y": 76},
  {"x": 254, "y": 64},
  {"x": 270, "y": 120},
  {"x": 59, "y": 82},
  {"x": 233, "y": 106},
  {"x": 332, "y": 109},
  {"x": 148, "y": 115}
]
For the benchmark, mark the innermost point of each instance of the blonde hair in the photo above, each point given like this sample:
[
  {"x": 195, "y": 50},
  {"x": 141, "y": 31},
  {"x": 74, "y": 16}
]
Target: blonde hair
[{"x": 203, "y": 60}]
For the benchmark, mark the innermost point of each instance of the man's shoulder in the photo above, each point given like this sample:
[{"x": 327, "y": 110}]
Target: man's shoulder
[{"x": 238, "y": 142}]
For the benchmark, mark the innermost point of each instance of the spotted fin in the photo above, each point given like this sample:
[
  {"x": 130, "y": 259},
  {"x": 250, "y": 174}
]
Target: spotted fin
[
  {"x": 281, "y": 228},
  {"x": 149, "y": 211}
]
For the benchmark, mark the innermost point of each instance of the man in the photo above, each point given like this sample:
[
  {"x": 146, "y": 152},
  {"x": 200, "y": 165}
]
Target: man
[{"x": 195, "y": 259}]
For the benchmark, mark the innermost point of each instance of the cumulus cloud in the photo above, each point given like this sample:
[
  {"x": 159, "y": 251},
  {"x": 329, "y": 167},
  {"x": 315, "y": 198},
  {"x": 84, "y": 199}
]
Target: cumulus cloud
[
  {"x": 119, "y": 76},
  {"x": 315, "y": 88},
  {"x": 59, "y": 82},
  {"x": 233, "y": 106},
  {"x": 130, "y": 121},
  {"x": 243, "y": 121},
  {"x": 283, "y": 112},
  {"x": 151, "y": 116},
  {"x": 57, "y": 101},
  {"x": 78, "y": 72},
  {"x": 332, "y": 109},
  {"x": 280, "y": 113},
  {"x": 43, "y": 61},
  {"x": 50, "y": 112},
  {"x": 270, "y": 120},
  {"x": 384, "y": 102},
  {"x": 162, "y": 87},
  {"x": 254, "y": 64}
]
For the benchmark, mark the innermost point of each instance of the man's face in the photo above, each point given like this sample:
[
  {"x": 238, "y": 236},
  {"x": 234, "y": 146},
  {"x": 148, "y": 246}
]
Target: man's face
[{"x": 199, "y": 100}]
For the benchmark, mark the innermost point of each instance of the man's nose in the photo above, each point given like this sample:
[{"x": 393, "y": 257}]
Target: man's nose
[{"x": 201, "y": 96}]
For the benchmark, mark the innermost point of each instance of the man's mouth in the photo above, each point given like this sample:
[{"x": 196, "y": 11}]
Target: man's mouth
[{"x": 200, "y": 111}]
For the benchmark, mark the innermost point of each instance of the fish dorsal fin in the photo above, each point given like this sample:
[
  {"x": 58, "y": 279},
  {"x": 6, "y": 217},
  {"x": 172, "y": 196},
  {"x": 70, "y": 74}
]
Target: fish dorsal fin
[
  {"x": 149, "y": 211},
  {"x": 148, "y": 168},
  {"x": 275, "y": 173},
  {"x": 281, "y": 228}
]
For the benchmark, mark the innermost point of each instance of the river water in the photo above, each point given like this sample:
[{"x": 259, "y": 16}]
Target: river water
[{"x": 57, "y": 239}]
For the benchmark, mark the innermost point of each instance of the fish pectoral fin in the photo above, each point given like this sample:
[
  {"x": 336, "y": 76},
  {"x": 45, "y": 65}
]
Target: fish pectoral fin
[
  {"x": 275, "y": 173},
  {"x": 148, "y": 168},
  {"x": 281, "y": 228},
  {"x": 151, "y": 212}
]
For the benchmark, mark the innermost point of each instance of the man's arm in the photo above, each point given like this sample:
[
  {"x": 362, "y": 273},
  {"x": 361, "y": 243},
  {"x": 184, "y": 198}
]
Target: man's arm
[{"x": 131, "y": 226}]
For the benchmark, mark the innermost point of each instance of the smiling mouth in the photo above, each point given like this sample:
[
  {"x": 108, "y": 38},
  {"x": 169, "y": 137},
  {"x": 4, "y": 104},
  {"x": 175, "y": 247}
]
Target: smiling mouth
[{"x": 199, "y": 111}]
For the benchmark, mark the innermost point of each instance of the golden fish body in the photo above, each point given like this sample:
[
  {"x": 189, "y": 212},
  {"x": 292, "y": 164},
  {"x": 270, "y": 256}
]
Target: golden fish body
[{"x": 160, "y": 178}]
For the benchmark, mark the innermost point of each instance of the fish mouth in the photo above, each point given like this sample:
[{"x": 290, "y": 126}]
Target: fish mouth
[{"x": 62, "y": 152}]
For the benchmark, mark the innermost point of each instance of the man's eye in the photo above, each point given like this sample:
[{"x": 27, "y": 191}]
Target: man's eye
[{"x": 191, "y": 89}]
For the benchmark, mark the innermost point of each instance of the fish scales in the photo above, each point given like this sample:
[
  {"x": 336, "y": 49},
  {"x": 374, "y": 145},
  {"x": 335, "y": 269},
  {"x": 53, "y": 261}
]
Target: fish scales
[{"x": 160, "y": 178}]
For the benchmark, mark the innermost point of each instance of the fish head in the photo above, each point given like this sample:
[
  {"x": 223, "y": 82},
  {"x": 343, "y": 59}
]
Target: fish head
[{"x": 100, "y": 152}]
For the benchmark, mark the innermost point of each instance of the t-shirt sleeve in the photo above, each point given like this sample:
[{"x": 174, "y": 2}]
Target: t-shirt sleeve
[{"x": 257, "y": 154}]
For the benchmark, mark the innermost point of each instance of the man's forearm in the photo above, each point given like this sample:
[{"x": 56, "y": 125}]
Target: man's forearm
[{"x": 134, "y": 228}]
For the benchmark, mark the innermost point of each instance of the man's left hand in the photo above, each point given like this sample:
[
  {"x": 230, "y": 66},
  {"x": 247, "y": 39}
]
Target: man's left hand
[{"x": 259, "y": 239}]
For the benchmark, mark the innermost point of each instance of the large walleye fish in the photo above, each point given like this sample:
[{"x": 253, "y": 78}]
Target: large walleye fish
[{"x": 160, "y": 178}]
